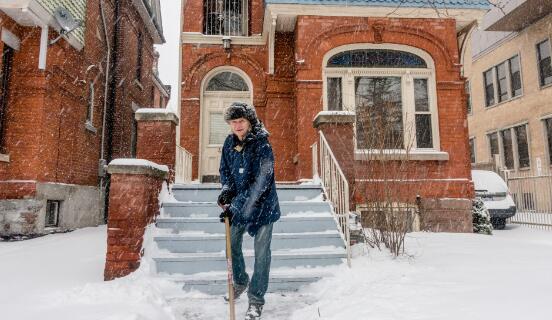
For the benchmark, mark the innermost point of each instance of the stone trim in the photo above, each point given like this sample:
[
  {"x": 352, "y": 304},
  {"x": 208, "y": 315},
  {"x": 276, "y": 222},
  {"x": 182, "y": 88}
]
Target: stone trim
[
  {"x": 327, "y": 117},
  {"x": 402, "y": 155},
  {"x": 156, "y": 114},
  {"x": 137, "y": 166},
  {"x": 4, "y": 157}
]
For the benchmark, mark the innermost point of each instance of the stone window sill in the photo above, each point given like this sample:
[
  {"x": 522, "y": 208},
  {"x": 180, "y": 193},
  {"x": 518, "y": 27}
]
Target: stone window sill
[
  {"x": 90, "y": 127},
  {"x": 4, "y": 157},
  {"x": 416, "y": 155}
]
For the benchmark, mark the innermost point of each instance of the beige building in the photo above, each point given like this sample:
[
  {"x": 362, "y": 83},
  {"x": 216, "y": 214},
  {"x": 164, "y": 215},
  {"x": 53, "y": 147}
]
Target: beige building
[{"x": 510, "y": 87}]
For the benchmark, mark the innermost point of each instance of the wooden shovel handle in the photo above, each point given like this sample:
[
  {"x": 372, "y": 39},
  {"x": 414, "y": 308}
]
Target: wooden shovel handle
[{"x": 230, "y": 273}]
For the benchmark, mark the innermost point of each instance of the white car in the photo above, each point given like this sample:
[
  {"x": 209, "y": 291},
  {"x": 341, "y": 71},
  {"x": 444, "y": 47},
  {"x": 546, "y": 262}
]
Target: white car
[{"x": 492, "y": 189}]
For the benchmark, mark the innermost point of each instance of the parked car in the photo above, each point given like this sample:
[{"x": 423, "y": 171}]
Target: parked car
[{"x": 492, "y": 189}]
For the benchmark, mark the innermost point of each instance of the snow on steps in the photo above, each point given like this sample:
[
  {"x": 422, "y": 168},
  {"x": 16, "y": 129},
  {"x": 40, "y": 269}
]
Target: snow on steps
[{"x": 191, "y": 240}]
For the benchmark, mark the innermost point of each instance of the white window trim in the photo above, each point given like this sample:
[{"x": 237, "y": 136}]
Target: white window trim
[{"x": 407, "y": 76}]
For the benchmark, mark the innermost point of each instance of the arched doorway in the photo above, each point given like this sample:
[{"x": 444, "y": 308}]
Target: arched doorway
[{"x": 220, "y": 88}]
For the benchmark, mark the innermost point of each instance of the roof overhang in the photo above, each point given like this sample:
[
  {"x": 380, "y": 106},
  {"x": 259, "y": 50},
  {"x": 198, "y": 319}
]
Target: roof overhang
[
  {"x": 159, "y": 84},
  {"x": 287, "y": 13},
  {"x": 30, "y": 13},
  {"x": 153, "y": 26},
  {"x": 522, "y": 16}
]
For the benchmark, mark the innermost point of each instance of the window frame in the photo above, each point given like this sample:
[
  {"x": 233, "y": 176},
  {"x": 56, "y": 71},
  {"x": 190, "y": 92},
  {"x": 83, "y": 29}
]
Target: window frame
[
  {"x": 508, "y": 80},
  {"x": 407, "y": 75},
  {"x": 139, "y": 57},
  {"x": 547, "y": 139},
  {"x": 5, "y": 90},
  {"x": 547, "y": 39},
  {"x": 473, "y": 153},
  {"x": 467, "y": 89},
  {"x": 515, "y": 145}
]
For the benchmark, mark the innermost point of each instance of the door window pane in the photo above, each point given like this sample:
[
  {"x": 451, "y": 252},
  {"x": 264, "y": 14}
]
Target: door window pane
[
  {"x": 502, "y": 82},
  {"x": 522, "y": 146},
  {"x": 515, "y": 76},
  {"x": 218, "y": 128},
  {"x": 489, "y": 87},
  {"x": 544, "y": 62},
  {"x": 379, "y": 122},
  {"x": 335, "y": 97},
  {"x": 506, "y": 137}
]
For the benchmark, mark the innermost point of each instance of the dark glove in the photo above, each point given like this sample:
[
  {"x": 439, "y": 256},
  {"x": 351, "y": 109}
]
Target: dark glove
[
  {"x": 226, "y": 197},
  {"x": 226, "y": 214}
]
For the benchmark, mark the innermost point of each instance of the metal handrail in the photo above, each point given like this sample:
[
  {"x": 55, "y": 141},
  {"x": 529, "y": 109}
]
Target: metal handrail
[
  {"x": 183, "y": 165},
  {"x": 336, "y": 188}
]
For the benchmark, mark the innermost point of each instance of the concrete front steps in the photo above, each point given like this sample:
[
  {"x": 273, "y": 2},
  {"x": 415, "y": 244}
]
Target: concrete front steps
[{"x": 305, "y": 245}]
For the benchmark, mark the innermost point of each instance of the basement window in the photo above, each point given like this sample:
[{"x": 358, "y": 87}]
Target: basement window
[{"x": 52, "y": 213}]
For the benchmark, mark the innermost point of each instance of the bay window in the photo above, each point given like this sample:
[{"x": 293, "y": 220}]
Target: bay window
[{"x": 391, "y": 90}]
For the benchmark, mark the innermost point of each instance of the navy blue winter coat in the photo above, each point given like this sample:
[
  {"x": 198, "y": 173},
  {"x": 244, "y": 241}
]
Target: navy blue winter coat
[{"x": 247, "y": 169}]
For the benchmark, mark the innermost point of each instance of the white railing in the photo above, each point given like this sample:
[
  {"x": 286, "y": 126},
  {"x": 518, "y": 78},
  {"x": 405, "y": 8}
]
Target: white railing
[
  {"x": 183, "y": 166},
  {"x": 335, "y": 187},
  {"x": 532, "y": 193}
]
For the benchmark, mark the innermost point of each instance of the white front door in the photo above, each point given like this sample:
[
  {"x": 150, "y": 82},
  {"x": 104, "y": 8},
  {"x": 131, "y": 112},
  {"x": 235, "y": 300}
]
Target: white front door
[{"x": 215, "y": 130}]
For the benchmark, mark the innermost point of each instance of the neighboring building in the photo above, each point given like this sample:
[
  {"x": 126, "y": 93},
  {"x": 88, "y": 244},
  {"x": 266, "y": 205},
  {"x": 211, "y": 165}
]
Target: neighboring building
[
  {"x": 510, "y": 85},
  {"x": 161, "y": 94},
  {"x": 294, "y": 59},
  {"x": 52, "y": 106}
]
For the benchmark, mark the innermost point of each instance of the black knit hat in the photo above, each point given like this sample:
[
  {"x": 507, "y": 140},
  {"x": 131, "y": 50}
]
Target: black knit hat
[{"x": 241, "y": 110}]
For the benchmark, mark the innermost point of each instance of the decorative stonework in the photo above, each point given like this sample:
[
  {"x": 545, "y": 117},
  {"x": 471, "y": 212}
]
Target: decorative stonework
[{"x": 378, "y": 32}]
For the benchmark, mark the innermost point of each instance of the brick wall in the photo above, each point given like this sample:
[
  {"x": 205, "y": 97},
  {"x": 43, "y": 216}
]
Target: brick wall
[
  {"x": 127, "y": 223},
  {"x": 46, "y": 136},
  {"x": 289, "y": 100}
]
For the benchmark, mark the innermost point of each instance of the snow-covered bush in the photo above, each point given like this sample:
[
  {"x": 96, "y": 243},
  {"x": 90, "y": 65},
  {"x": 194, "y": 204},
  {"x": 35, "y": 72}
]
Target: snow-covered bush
[{"x": 481, "y": 218}]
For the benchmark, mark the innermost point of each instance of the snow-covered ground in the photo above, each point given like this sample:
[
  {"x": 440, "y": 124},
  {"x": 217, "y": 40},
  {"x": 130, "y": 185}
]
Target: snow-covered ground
[{"x": 446, "y": 276}]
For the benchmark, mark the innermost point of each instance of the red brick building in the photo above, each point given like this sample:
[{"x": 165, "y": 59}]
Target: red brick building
[
  {"x": 67, "y": 106},
  {"x": 342, "y": 65}
]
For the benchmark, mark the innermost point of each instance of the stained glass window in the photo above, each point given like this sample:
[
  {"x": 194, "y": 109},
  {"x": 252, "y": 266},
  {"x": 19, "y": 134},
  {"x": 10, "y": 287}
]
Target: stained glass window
[{"x": 376, "y": 58}]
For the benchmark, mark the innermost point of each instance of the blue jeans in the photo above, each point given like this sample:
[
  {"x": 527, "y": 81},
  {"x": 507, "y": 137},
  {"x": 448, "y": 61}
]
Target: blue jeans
[{"x": 259, "y": 281}]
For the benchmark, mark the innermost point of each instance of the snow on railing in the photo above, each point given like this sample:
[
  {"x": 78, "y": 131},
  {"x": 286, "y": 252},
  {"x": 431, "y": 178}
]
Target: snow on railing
[
  {"x": 335, "y": 187},
  {"x": 183, "y": 166}
]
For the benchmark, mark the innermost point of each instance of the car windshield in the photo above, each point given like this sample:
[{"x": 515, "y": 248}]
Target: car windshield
[{"x": 488, "y": 181}]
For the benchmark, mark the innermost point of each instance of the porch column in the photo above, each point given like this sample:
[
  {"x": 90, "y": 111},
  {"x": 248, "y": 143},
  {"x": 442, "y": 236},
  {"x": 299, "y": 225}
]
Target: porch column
[
  {"x": 133, "y": 205},
  {"x": 157, "y": 137}
]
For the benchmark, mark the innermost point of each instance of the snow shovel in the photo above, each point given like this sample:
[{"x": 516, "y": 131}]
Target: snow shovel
[{"x": 230, "y": 273}]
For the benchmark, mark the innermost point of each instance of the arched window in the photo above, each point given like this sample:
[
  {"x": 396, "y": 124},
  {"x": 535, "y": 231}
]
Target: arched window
[
  {"x": 227, "y": 81},
  {"x": 373, "y": 58},
  {"x": 391, "y": 90}
]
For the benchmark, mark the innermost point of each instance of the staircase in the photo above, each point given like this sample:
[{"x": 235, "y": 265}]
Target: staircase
[{"x": 305, "y": 241}]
